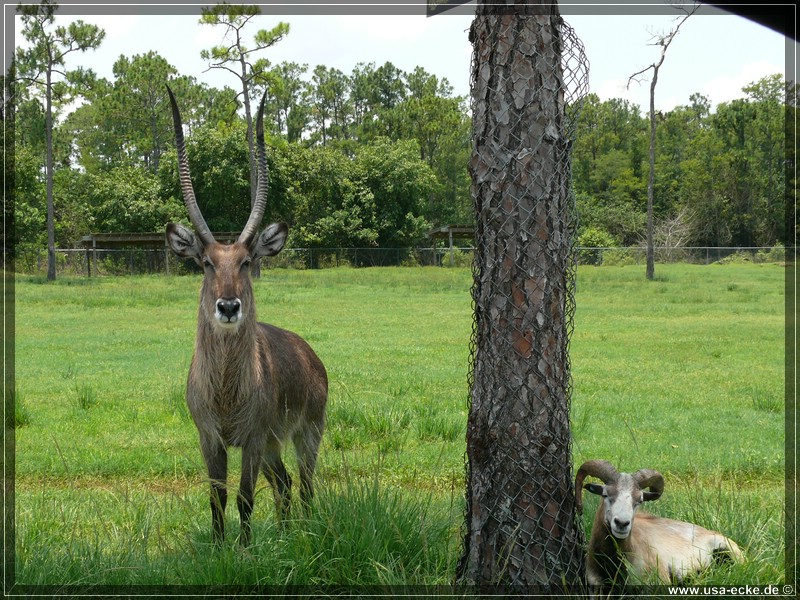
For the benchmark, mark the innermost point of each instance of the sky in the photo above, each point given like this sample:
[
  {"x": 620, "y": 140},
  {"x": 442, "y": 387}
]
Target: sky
[{"x": 714, "y": 54}]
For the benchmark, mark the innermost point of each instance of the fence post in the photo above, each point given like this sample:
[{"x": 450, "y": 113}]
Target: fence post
[{"x": 452, "y": 257}]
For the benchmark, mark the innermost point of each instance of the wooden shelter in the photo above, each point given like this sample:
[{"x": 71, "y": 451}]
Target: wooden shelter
[{"x": 136, "y": 241}]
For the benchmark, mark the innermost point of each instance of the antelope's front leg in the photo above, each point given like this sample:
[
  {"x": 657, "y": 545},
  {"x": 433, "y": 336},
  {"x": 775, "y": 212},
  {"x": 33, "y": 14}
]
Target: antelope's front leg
[
  {"x": 251, "y": 459},
  {"x": 216, "y": 457}
]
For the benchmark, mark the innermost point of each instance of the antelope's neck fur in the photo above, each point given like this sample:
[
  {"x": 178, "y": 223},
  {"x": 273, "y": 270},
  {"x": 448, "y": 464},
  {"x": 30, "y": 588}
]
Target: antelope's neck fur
[{"x": 227, "y": 374}]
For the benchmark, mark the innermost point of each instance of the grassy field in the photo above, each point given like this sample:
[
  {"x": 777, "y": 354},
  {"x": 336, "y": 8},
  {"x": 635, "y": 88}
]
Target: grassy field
[{"x": 683, "y": 374}]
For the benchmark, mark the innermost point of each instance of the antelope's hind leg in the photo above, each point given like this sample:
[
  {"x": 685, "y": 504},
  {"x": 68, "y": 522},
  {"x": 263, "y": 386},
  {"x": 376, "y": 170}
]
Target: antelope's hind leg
[
  {"x": 275, "y": 472},
  {"x": 306, "y": 445}
]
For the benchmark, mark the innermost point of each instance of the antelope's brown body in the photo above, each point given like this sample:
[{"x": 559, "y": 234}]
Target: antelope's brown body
[{"x": 251, "y": 385}]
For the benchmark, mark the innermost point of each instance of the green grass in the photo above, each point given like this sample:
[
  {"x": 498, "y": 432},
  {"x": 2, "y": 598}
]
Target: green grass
[{"x": 683, "y": 374}]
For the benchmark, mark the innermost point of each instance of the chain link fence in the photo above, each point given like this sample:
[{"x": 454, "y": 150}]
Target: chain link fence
[
  {"x": 529, "y": 75},
  {"x": 138, "y": 261}
]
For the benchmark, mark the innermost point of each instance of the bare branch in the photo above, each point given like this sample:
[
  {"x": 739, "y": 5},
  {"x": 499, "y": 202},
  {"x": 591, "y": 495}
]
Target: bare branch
[
  {"x": 222, "y": 66},
  {"x": 664, "y": 41}
]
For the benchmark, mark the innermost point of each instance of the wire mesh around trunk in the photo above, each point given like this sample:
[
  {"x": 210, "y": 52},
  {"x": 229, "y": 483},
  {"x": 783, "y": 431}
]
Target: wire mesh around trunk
[{"x": 529, "y": 73}]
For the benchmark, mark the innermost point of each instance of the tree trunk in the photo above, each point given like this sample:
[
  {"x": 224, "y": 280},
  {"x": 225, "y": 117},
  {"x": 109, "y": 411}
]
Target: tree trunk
[
  {"x": 249, "y": 120},
  {"x": 521, "y": 525},
  {"x": 255, "y": 268},
  {"x": 651, "y": 257},
  {"x": 48, "y": 142},
  {"x": 155, "y": 154}
]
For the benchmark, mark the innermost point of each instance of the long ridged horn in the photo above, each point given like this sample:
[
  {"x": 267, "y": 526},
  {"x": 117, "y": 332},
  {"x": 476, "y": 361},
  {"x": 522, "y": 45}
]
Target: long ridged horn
[
  {"x": 648, "y": 478},
  {"x": 260, "y": 204},
  {"x": 195, "y": 216},
  {"x": 602, "y": 469}
]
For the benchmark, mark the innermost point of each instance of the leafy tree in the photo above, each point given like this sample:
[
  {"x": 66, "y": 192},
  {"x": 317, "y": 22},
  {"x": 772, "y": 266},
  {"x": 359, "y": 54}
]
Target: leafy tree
[
  {"x": 376, "y": 92},
  {"x": 30, "y": 208},
  {"x": 388, "y": 89},
  {"x": 769, "y": 96},
  {"x": 236, "y": 58},
  {"x": 400, "y": 182},
  {"x": 41, "y": 65},
  {"x": 290, "y": 99},
  {"x": 374, "y": 198},
  {"x": 332, "y": 207},
  {"x": 127, "y": 198},
  {"x": 93, "y": 130},
  {"x": 139, "y": 105},
  {"x": 329, "y": 97},
  {"x": 607, "y": 166},
  {"x": 125, "y": 121},
  {"x": 218, "y": 161}
]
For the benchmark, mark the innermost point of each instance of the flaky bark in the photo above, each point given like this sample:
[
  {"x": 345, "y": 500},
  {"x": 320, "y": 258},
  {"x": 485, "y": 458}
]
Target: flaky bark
[{"x": 521, "y": 525}]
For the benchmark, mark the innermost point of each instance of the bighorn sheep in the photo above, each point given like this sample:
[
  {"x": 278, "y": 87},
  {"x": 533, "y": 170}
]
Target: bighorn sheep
[
  {"x": 673, "y": 549},
  {"x": 250, "y": 385}
]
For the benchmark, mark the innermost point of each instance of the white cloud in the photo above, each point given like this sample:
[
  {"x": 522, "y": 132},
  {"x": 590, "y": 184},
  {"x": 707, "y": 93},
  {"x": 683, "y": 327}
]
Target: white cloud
[
  {"x": 115, "y": 26},
  {"x": 387, "y": 27},
  {"x": 725, "y": 88},
  {"x": 207, "y": 36},
  {"x": 637, "y": 93}
]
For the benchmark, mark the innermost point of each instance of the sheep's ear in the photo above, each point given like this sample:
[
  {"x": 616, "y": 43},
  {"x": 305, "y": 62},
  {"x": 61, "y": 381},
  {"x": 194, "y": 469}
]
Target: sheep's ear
[
  {"x": 594, "y": 488},
  {"x": 649, "y": 496}
]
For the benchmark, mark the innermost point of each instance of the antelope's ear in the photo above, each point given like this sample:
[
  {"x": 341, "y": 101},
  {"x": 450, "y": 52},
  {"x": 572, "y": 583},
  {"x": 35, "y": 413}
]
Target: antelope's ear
[
  {"x": 270, "y": 241},
  {"x": 183, "y": 242},
  {"x": 649, "y": 496},
  {"x": 594, "y": 488}
]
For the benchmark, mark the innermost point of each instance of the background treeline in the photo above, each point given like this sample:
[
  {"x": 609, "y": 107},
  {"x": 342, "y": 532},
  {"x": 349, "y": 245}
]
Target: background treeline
[
  {"x": 378, "y": 156},
  {"x": 720, "y": 178}
]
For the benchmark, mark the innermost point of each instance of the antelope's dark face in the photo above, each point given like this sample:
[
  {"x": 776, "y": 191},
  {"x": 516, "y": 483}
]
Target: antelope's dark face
[{"x": 226, "y": 296}]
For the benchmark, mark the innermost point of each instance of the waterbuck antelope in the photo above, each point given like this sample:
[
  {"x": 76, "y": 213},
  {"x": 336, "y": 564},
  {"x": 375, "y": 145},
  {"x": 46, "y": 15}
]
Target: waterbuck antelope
[{"x": 250, "y": 385}]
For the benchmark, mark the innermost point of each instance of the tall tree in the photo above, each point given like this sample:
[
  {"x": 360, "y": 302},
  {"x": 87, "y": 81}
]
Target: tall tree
[
  {"x": 330, "y": 102},
  {"x": 663, "y": 41},
  {"x": 42, "y": 64},
  {"x": 236, "y": 58},
  {"x": 139, "y": 103},
  {"x": 361, "y": 94},
  {"x": 521, "y": 524},
  {"x": 290, "y": 98},
  {"x": 440, "y": 125}
]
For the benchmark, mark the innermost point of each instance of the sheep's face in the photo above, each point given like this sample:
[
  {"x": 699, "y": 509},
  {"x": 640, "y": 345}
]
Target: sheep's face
[{"x": 620, "y": 502}]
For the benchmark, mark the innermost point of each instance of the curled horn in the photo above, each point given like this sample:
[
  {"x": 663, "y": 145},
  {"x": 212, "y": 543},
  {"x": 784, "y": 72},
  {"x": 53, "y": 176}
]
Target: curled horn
[
  {"x": 195, "y": 216},
  {"x": 648, "y": 478},
  {"x": 260, "y": 203},
  {"x": 602, "y": 469}
]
